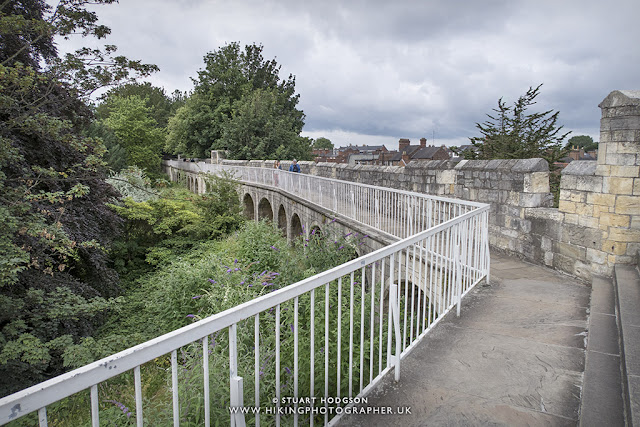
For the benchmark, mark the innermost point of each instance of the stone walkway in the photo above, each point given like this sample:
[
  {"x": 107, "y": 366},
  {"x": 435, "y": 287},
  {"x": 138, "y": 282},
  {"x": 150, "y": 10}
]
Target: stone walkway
[{"x": 515, "y": 357}]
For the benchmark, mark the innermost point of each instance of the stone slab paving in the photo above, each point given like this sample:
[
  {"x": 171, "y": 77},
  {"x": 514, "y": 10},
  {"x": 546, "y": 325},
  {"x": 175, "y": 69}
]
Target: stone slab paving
[{"x": 515, "y": 357}]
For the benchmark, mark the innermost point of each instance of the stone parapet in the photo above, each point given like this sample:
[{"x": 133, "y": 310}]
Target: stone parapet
[{"x": 596, "y": 225}]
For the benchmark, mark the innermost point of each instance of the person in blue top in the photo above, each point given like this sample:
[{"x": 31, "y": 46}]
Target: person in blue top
[{"x": 295, "y": 167}]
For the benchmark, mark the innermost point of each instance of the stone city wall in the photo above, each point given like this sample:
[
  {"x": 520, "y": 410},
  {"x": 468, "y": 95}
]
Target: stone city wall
[{"x": 596, "y": 225}]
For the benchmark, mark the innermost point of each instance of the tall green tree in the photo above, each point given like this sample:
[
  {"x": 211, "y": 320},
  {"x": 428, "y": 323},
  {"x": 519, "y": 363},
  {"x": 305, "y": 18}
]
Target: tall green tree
[
  {"x": 256, "y": 130},
  {"x": 55, "y": 278},
  {"x": 224, "y": 91},
  {"x": 161, "y": 105},
  {"x": 516, "y": 133},
  {"x": 322, "y": 143},
  {"x": 137, "y": 132}
]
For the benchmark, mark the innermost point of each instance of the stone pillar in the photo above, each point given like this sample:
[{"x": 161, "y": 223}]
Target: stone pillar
[{"x": 619, "y": 165}]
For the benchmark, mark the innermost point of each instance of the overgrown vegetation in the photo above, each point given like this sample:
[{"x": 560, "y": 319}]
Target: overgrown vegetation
[{"x": 56, "y": 281}]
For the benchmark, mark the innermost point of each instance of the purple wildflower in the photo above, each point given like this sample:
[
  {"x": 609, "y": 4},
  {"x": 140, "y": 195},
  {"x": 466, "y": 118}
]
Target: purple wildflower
[
  {"x": 292, "y": 330},
  {"x": 341, "y": 247},
  {"x": 213, "y": 282},
  {"x": 347, "y": 235},
  {"x": 191, "y": 316},
  {"x": 196, "y": 297},
  {"x": 274, "y": 248},
  {"x": 288, "y": 370}
]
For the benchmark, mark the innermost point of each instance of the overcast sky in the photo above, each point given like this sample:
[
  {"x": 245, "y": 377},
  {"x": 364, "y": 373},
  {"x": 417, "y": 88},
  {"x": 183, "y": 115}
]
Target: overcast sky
[{"x": 371, "y": 72}]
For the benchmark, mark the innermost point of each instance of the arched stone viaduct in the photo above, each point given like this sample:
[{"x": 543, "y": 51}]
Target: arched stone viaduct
[{"x": 295, "y": 217}]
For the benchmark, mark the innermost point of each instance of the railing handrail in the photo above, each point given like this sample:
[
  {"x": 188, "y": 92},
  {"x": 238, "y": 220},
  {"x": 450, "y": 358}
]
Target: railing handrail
[{"x": 358, "y": 184}]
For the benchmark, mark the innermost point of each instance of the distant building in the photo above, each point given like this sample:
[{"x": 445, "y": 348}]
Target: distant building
[
  {"x": 407, "y": 152},
  {"x": 576, "y": 154}
]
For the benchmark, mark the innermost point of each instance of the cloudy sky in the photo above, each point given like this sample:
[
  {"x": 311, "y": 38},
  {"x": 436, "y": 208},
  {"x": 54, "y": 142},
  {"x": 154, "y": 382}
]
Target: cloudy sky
[{"x": 371, "y": 71}]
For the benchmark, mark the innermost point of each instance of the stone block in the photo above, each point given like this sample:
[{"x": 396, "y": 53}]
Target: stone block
[
  {"x": 536, "y": 182},
  {"x": 636, "y": 186},
  {"x": 601, "y": 199},
  {"x": 577, "y": 235},
  {"x": 567, "y": 206},
  {"x": 614, "y": 220},
  {"x": 587, "y": 221},
  {"x": 613, "y": 247},
  {"x": 564, "y": 263},
  {"x": 589, "y": 183},
  {"x": 625, "y": 135},
  {"x": 600, "y": 209},
  {"x": 568, "y": 182},
  {"x": 621, "y": 160},
  {"x": 571, "y": 218},
  {"x": 533, "y": 200},
  {"x": 530, "y": 165},
  {"x": 616, "y": 185},
  {"x": 602, "y": 169},
  {"x": 625, "y": 171},
  {"x": 624, "y": 235},
  {"x": 631, "y": 146},
  {"x": 629, "y": 205},
  {"x": 596, "y": 256},
  {"x": 580, "y": 167},
  {"x": 572, "y": 251}
]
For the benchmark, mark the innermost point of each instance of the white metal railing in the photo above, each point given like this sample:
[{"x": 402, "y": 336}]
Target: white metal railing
[{"x": 398, "y": 293}]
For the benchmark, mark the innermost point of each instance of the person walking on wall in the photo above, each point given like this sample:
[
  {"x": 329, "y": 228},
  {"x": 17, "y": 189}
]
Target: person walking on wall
[
  {"x": 276, "y": 167},
  {"x": 295, "y": 167}
]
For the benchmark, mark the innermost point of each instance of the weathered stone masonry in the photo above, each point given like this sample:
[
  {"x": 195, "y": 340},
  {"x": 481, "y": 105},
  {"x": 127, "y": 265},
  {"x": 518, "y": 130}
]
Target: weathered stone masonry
[{"x": 596, "y": 225}]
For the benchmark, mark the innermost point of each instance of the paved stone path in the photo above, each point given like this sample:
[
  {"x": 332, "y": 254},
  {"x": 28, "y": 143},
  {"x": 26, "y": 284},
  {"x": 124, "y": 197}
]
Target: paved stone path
[{"x": 515, "y": 357}]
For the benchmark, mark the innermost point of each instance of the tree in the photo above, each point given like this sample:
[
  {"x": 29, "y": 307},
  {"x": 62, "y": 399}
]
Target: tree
[
  {"x": 55, "y": 278},
  {"x": 256, "y": 130},
  {"x": 516, "y": 134},
  {"x": 137, "y": 132},
  {"x": 582, "y": 141},
  {"x": 224, "y": 91},
  {"x": 322, "y": 144},
  {"x": 161, "y": 105}
]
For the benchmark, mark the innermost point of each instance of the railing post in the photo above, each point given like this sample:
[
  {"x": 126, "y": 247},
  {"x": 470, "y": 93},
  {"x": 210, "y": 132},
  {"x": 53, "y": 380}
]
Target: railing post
[
  {"x": 394, "y": 306},
  {"x": 458, "y": 276},
  {"x": 236, "y": 390}
]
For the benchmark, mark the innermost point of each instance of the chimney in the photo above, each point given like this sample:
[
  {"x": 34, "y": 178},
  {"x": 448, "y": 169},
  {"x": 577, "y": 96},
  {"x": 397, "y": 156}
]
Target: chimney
[
  {"x": 423, "y": 142},
  {"x": 403, "y": 144}
]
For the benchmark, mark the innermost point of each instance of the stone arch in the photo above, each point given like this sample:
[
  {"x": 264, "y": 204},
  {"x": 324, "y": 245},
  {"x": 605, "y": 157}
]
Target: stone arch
[
  {"x": 265, "y": 211},
  {"x": 316, "y": 231},
  {"x": 296, "y": 226},
  {"x": 249, "y": 208},
  {"x": 282, "y": 219}
]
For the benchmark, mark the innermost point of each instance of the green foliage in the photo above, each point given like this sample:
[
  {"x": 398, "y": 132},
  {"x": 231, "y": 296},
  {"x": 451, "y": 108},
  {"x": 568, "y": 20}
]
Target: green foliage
[
  {"x": 258, "y": 130},
  {"x": 115, "y": 156},
  {"x": 322, "y": 144},
  {"x": 582, "y": 141},
  {"x": 137, "y": 132},
  {"x": 239, "y": 104},
  {"x": 157, "y": 227},
  {"x": 55, "y": 275},
  {"x": 133, "y": 183},
  {"x": 161, "y": 106},
  {"x": 516, "y": 134}
]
